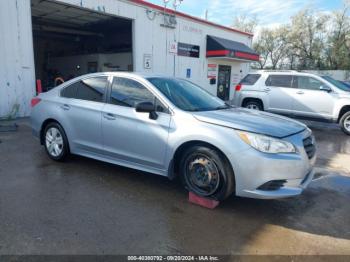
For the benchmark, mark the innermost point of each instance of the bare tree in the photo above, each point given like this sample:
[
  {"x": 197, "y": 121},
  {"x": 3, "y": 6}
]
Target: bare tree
[
  {"x": 277, "y": 46},
  {"x": 337, "y": 51},
  {"x": 271, "y": 45},
  {"x": 261, "y": 48},
  {"x": 306, "y": 37},
  {"x": 245, "y": 23},
  {"x": 311, "y": 40}
]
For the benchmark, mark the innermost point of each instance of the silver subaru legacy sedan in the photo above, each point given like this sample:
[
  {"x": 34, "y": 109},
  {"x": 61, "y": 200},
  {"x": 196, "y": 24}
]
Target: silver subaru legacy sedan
[{"x": 172, "y": 127}]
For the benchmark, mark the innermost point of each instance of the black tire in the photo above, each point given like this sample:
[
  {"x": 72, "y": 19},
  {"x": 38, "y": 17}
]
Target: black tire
[
  {"x": 255, "y": 105},
  {"x": 64, "y": 149},
  {"x": 344, "y": 123},
  {"x": 222, "y": 184}
]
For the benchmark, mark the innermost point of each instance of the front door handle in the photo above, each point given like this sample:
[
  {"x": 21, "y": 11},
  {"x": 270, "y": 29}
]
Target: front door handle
[
  {"x": 110, "y": 116},
  {"x": 65, "y": 107},
  {"x": 300, "y": 92},
  {"x": 267, "y": 89}
]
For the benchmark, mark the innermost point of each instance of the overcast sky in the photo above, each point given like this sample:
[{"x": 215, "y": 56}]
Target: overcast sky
[{"x": 268, "y": 12}]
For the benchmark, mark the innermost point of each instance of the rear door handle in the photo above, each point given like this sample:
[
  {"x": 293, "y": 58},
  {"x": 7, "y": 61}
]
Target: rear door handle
[
  {"x": 267, "y": 89},
  {"x": 300, "y": 92},
  {"x": 109, "y": 116},
  {"x": 65, "y": 107}
]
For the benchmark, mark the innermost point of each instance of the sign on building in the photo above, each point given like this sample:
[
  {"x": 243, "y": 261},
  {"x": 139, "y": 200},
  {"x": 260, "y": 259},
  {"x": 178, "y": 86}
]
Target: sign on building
[
  {"x": 212, "y": 70},
  {"x": 188, "y": 50},
  {"x": 173, "y": 47},
  {"x": 147, "y": 61}
]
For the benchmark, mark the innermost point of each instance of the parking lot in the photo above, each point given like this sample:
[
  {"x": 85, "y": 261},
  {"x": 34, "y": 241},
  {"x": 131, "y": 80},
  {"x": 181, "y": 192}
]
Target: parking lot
[{"x": 85, "y": 206}]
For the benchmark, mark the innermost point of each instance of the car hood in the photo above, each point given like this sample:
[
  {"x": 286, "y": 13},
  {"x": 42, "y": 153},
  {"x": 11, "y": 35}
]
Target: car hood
[{"x": 252, "y": 121}]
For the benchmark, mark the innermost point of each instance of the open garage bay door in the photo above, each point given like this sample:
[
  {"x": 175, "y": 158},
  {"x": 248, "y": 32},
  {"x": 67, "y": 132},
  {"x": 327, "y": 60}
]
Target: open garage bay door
[{"x": 70, "y": 41}]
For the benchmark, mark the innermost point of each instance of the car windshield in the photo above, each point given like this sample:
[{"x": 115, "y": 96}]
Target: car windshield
[
  {"x": 337, "y": 83},
  {"x": 186, "y": 95}
]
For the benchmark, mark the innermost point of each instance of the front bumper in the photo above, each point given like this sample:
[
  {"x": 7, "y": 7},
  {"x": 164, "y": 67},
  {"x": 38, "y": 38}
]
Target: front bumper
[
  {"x": 292, "y": 188},
  {"x": 253, "y": 169}
]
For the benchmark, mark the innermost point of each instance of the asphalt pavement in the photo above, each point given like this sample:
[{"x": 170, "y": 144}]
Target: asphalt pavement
[{"x": 85, "y": 206}]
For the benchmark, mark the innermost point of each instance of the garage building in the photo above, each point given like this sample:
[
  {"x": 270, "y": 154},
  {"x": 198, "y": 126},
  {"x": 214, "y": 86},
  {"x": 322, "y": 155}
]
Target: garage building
[{"x": 54, "y": 40}]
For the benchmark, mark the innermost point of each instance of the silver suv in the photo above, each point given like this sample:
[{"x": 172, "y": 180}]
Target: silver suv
[{"x": 297, "y": 94}]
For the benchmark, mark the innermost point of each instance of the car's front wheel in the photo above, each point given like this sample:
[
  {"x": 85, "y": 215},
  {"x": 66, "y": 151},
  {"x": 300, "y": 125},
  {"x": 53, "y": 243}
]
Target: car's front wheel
[
  {"x": 207, "y": 173},
  {"x": 55, "y": 142},
  {"x": 345, "y": 123}
]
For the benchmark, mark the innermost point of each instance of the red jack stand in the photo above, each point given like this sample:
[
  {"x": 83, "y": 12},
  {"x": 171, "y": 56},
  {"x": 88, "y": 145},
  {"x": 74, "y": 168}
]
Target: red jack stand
[{"x": 201, "y": 201}]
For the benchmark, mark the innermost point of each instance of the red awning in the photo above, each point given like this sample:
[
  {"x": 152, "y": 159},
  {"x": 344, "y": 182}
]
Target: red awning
[{"x": 224, "y": 48}]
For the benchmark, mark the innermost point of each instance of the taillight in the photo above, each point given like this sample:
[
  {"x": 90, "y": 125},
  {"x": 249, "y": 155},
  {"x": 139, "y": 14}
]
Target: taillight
[
  {"x": 35, "y": 101},
  {"x": 238, "y": 87}
]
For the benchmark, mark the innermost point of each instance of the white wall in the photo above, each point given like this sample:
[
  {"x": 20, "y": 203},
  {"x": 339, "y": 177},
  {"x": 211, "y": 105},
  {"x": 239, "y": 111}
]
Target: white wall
[
  {"x": 236, "y": 74},
  {"x": 17, "y": 76},
  {"x": 17, "y": 81},
  {"x": 152, "y": 39}
]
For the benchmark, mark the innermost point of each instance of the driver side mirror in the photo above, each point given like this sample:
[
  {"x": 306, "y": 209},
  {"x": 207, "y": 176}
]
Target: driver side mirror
[
  {"x": 147, "y": 107},
  {"x": 326, "y": 89}
]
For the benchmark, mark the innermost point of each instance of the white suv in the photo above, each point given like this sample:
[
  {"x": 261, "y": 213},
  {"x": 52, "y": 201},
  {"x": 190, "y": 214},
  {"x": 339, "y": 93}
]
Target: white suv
[{"x": 296, "y": 94}]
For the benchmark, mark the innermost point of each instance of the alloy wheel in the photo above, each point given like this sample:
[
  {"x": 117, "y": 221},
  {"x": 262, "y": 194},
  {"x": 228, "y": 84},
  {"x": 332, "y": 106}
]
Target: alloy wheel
[{"x": 54, "y": 141}]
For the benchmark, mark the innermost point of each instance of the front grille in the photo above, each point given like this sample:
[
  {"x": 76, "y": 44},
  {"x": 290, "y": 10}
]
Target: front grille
[
  {"x": 309, "y": 146},
  {"x": 272, "y": 185}
]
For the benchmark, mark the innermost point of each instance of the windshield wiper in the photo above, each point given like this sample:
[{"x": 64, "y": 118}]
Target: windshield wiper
[
  {"x": 226, "y": 106},
  {"x": 197, "y": 110}
]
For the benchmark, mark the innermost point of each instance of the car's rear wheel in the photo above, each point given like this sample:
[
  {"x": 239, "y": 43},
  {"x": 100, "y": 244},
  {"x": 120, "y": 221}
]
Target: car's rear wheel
[
  {"x": 207, "y": 173},
  {"x": 345, "y": 123},
  {"x": 55, "y": 142},
  {"x": 254, "y": 105}
]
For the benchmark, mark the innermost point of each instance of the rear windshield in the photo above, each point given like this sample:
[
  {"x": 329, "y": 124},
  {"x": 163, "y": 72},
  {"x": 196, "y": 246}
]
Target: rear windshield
[{"x": 250, "y": 79}]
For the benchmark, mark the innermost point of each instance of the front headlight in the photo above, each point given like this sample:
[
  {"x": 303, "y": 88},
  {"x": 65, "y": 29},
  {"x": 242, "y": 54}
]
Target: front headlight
[{"x": 267, "y": 144}]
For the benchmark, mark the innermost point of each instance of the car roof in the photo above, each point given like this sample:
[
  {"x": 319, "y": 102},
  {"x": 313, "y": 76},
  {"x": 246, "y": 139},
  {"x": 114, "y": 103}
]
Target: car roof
[
  {"x": 127, "y": 74},
  {"x": 283, "y": 72}
]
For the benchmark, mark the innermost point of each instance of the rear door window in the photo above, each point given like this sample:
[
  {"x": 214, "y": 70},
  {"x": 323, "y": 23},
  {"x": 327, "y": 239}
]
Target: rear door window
[
  {"x": 250, "y": 79},
  {"x": 90, "y": 89},
  {"x": 70, "y": 91},
  {"x": 279, "y": 81}
]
